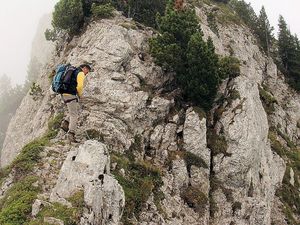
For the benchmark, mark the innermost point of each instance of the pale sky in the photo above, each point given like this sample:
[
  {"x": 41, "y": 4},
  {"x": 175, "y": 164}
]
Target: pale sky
[
  {"x": 19, "y": 19},
  {"x": 289, "y": 9},
  {"x": 18, "y": 24}
]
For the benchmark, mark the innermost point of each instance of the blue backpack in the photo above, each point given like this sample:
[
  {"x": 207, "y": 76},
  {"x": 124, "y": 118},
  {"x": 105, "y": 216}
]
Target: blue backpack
[{"x": 61, "y": 82}]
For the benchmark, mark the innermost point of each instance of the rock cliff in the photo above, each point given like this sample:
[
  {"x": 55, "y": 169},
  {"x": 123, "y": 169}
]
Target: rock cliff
[{"x": 150, "y": 160}]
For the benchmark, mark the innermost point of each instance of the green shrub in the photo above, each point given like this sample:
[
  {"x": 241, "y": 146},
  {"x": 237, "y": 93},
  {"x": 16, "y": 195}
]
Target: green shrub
[
  {"x": 102, "y": 11},
  {"x": 29, "y": 156},
  {"x": 141, "y": 11},
  {"x": 245, "y": 12},
  {"x": 68, "y": 15},
  {"x": 268, "y": 100},
  {"x": 70, "y": 216},
  {"x": 180, "y": 48},
  {"x": 17, "y": 203},
  {"x": 229, "y": 67},
  {"x": 288, "y": 141},
  {"x": 51, "y": 35},
  {"x": 212, "y": 23},
  {"x": 36, "y": 91},
  {"x": 194, "y": 198},
  {"x": 142, "y": 178},
  {"x": 93, "y": 134},
  {"x": 288, "y": 193},
  {"x": 275, "y": 144},
  {"x": 217, "y": 144},
  {"x": 223, "y": 1},
  {"x": 54, "y": 125},
  {"x": 145, "y": 11}
]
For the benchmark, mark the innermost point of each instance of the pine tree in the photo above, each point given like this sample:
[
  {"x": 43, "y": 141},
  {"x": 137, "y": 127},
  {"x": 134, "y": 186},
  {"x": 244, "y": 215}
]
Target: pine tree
[
  {"x": 245, "y": 12},
  {"x": 181, "y": 48},
  {"x": 200, "y": 82},
  {"x": 289, "y": 54},
  {"x": 284, "y": 43},
  {"x": 264, "y": 30},
  {"x": 68, "y": 15}
]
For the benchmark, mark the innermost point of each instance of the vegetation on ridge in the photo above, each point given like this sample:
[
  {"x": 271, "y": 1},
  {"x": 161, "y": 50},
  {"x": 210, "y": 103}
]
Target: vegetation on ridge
[
  {"x": 17, "y": 202},
  {"x": 180, "y": 48}
]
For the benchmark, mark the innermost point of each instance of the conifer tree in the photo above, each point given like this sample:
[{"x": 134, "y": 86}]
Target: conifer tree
[
  {"x": 289, "y": 54},
  {"x": 285, "y": 44},
  {"x": 181, "y": 48},
  {"x": 264, "y": 30},
  {"x": 246, "y": 12}
]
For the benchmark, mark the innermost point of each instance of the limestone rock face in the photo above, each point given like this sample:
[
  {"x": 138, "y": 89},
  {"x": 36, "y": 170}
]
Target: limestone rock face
[
  {"x": 127, "y": 109},
  {"x": 249, "y": 173},
  {"x": 194, "y": 136},
  {"x": 87, "y": 168}
]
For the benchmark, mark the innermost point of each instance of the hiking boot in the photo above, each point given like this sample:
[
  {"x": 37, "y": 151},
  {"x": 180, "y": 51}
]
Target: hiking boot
[
  {"x": 65, "y": 125},
  {"x": 71, "y": 137}
]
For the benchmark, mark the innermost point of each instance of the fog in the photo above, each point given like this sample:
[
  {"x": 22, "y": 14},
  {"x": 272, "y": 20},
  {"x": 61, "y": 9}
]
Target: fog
[
  {"x": 19, "y": 19},
  {"x": 18, "y": 25},
  {"x": 289, "y": 9}
]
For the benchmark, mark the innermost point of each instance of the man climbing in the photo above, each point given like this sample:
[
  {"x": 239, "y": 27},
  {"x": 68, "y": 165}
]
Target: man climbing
[{"x": 71, "y": 98}]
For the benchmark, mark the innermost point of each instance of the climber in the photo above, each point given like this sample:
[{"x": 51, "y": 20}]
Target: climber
[{"x": 71, "y": 99}]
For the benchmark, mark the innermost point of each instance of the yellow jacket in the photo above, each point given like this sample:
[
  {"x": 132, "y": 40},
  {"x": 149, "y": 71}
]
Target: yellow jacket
[{"x": 80, "y": 84}]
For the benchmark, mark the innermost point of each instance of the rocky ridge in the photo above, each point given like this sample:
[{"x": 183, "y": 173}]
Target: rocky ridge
[{"x": 129, "y": 112}]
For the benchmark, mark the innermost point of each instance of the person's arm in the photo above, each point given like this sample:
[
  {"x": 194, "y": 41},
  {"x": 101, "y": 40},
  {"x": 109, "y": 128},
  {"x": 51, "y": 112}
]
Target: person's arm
[{"x": 80, "y": 83}]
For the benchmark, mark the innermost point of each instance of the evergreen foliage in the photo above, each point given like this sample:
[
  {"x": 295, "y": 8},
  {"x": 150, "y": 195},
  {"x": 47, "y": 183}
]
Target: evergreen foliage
[
  {"x": 102, "y": 11},
  {"x": 180, "y": 48},
  {"x": 264, "y": 30},
  {"x": 142, "y": 179},
  {"x": 229, "y": 67},
  {"x": 145, "y": 11},
  {"x": 289, "y": 54},
  {"x": 16, "y": 204},
  {"x": 246, "y": 12},
  {"x": 68, "y": 15},
  {"x": 51, "y": 35}
]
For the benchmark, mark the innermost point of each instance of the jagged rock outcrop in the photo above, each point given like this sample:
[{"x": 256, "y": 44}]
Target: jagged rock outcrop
[
  {"x": 88, "y": 168},
  {"x": 249, "y": 172},
  {"x": 126, "y": 108}
]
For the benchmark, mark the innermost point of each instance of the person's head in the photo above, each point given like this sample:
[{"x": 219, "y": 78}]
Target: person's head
[{"x": 85, "y": 68}]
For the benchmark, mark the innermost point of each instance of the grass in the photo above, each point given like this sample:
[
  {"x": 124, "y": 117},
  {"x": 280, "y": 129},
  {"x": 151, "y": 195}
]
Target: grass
[
  {"x": 226, "y": 15},
  {"x": 211, "y": 19},
  {"x": 129, "y": 26},
  {"x": 288, "y": 193},
  {"x": 141, "y": 179},
  {"x": 70, "y": 216},
  {"x": 268, "y": 100},
  {"x": 16, "y": 205},
  {"x": 217, "y": 144}
]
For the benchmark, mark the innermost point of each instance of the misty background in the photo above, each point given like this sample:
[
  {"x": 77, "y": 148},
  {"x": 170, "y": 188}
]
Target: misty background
[
  {"x": 24, "y": 49},
  {"x": 19, "y": 21}
]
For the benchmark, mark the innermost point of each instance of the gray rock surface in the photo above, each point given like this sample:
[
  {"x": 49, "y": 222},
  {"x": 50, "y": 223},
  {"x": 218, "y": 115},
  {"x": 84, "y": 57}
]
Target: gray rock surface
[
  {"x": 123, "y": 100},
  {"x": 88, "y": 168}
]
